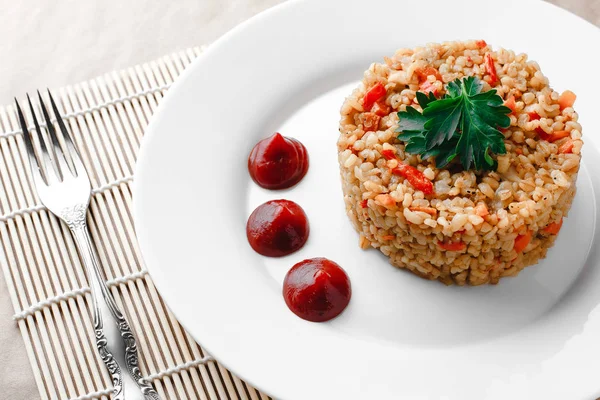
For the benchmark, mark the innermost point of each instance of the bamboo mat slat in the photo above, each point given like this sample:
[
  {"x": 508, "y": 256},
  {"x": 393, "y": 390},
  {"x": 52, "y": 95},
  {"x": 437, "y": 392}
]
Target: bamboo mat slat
[{"x": 46, "y": 281}]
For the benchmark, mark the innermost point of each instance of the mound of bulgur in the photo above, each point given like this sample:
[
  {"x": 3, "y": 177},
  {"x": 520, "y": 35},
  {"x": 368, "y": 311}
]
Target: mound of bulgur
[{"x": 476, "y": 227}]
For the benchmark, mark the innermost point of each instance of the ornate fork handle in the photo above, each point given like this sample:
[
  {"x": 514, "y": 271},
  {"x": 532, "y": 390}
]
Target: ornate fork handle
[
  {"x": 75, "y": 219},
  {"x": 111, "y": 364},
  {"x": 131, "y": 359}
]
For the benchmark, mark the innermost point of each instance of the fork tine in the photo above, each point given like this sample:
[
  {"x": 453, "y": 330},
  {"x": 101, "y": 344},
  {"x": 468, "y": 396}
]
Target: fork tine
[
  {"x": 75, "y": 158},
  {"x": 33, "y": 161},
  {"x": 47, "y": 160},
  {"x": 60, "y": 156}
]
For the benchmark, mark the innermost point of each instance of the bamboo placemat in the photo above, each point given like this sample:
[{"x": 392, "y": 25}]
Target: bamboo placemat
[{"x": 48, "y": 288}]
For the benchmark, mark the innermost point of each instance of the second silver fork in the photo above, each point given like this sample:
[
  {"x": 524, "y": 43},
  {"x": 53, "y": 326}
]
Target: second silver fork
[{"x": 65, "y": 190}]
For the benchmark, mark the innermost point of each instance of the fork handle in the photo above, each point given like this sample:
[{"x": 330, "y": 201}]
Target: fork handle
[
  {"x": 90, "y": 260},
  {"x": 107, "y": 357},
  {"x": 109, "y": 361}
]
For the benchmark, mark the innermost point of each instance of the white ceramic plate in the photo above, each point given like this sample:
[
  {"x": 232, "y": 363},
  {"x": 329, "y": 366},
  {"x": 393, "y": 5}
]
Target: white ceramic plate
[{"x": 532, "y": 337}]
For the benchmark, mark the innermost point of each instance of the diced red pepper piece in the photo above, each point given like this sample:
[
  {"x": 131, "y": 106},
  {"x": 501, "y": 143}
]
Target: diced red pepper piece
[
  {"x": 414, "y": 177},
  {"x": 481, "y": 43},
  {"x": 380, "y": 108},
  {"x": 551, "y": 137},
  {"x": 566, "y": 147},
  {"x": 388, "y": 154},
  {"x": 452, "y": 246},
  {"x": 491, "y": 69},
  {"x": 522, "y": 241},
  {"x": 557, "y": 135},
  {"x": 375, "y": 93},
  {"x": 511, "y": 103},
  {"x": 364, "y": 203},
  {"x": 427, "y": 87},
  {"x": 542, "y": 134},
  {"x": 566, "y": 99},
  {"x": 371, "y": 121},
  {"x": 423, "y": 73},
  {"x": 553, "y": 228}
]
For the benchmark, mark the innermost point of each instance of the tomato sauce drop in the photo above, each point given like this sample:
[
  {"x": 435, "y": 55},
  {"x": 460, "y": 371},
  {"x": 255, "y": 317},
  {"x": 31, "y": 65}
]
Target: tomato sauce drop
[
  {"x": 278, "y": 162},
  {"x": 277, "y": 228},
  {"x": 317, "y": 289}
]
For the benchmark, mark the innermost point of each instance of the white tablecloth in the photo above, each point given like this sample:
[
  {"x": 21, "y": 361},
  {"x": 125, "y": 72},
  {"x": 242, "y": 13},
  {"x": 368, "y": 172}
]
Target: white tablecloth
[{"x": 55, "y": 43}]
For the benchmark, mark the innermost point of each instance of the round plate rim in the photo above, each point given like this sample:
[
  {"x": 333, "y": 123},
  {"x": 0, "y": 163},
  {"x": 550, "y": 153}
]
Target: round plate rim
[{"x": 143, "y": 157}]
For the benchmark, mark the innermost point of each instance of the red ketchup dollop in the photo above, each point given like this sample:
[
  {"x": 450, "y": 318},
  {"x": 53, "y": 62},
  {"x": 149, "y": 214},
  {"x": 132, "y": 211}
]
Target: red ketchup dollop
[
  {"x": 277, "y": 228},
  {"x": 316, "y": 289},
  {"x": 278, "y": 162}
]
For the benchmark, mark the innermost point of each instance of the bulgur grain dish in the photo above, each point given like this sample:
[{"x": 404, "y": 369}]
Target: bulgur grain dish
[{"x": 455, "y": 224}]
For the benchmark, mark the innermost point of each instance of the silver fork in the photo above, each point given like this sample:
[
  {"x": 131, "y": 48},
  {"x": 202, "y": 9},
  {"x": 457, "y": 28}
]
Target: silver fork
[{"x": 65, "y": 190}]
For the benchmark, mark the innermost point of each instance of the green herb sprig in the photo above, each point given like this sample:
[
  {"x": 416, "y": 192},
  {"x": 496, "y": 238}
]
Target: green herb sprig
[{"x": 463, "y": 123}]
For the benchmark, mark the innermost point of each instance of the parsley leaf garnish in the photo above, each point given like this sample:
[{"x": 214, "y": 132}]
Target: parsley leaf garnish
[{"x": 463, "y": 123}]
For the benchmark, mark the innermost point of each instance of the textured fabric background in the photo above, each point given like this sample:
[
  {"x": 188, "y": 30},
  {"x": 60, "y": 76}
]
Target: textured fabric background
[{"x": 55, "y": 43}]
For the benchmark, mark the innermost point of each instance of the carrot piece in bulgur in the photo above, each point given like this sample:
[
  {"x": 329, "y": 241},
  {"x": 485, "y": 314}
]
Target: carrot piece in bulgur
[
  {"x": 452, "y": 246},
  {"x": 481, "y": 209},
  {"x": 423, "y": 73},
  {"x": 522, "y": 241},
  {"x": 553, "y": 228},
  {"x": 558, "y": 135},
  {"x": 385, "y": 200},
  {"x": 511, "y": 103},
  {"x": 566, "y": 99},
  {"x": 566, "y": 147}
]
